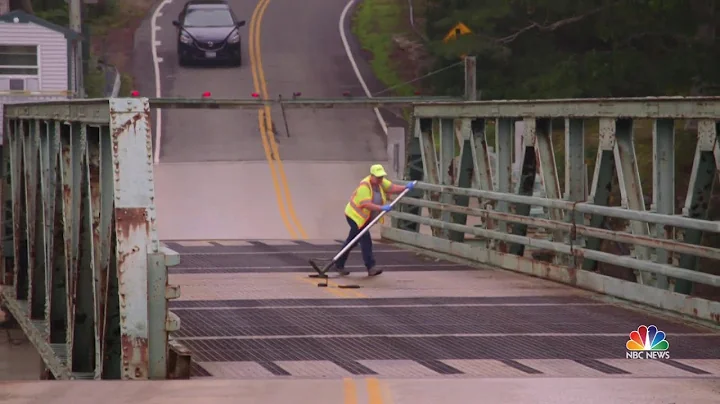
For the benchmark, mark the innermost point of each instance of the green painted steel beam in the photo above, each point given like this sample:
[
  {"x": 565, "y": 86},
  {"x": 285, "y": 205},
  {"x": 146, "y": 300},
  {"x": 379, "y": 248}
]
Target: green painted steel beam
[
  {"x": 87, "y": 111},
  {"x": 637, "y": 108},
  {"x": 311, "y": 103}
]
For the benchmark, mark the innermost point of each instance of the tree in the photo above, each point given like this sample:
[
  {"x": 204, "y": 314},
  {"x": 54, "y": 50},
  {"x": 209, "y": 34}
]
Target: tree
[{"x": 581, "y": 48}]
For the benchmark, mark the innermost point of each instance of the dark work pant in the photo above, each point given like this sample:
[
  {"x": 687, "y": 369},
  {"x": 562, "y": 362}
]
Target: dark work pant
[{"x": 365, "y": 245}]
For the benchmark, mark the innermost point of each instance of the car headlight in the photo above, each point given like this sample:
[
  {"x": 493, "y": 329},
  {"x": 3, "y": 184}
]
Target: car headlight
[
  {"x": 234, "y": 37},
  {"x": 185, "y": 38}
]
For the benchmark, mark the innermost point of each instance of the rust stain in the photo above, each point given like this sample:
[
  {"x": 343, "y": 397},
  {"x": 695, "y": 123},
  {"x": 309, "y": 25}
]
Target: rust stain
[
  {"x": 130, "y": 219},
  {"x": 129, "y": 123},
  {"x": 127, "y": 221},
  {"x": 136, "y": 357}
]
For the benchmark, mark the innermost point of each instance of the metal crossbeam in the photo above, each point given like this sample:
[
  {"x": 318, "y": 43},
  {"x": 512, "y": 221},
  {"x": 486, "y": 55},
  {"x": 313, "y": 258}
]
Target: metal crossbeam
[{"x": 637, "y": 108}]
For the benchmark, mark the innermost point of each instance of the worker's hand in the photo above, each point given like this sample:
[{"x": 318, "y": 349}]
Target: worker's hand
[
  {"x": 386, "y": 208},
  {"x": 410, "y": 185}
]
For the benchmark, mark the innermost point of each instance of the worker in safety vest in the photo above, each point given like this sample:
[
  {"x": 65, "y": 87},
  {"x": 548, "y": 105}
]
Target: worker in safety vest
[{"x": 368, "y": 200}]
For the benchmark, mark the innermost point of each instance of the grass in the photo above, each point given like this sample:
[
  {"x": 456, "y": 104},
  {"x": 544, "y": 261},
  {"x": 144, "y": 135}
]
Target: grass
[
  {"x": 94, "y": 80},
  {"x": 126, "y": 85},
  {"x": 375, "y": 23},
  {"x": 119, "y": 14}
]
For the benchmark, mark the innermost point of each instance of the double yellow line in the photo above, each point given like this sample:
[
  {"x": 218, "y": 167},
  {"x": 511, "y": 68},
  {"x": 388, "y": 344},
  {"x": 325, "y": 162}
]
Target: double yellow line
[
  {"x": 282, "y": 191},
  {"x": 377, "y": 392}
]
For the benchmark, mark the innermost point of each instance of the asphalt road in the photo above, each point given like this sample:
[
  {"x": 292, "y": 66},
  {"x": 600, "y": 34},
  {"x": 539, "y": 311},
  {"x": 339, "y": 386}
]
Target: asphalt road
[
  {"x": 251, "y": 193},
  {"x": 301, "y": 51}
]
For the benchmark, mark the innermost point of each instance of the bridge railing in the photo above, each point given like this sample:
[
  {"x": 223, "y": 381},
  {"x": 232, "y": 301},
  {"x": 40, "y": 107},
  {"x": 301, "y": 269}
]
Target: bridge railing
[
  {"x": 651, "y": 257},
  {"x": 81, "y": 267}
]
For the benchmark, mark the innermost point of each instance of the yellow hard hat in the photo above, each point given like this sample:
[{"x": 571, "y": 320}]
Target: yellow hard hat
[{"x": 377, "y": 170}]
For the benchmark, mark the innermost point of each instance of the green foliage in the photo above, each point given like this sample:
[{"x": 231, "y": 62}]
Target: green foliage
[
  {"x": 374, "y": 24},
  {"x": 578, "y": 48}
]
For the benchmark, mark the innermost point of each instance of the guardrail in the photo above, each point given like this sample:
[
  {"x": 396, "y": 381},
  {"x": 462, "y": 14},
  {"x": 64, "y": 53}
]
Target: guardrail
[
  {"x": 448, "y": 150},
  {"x": 81, "y": 267}
]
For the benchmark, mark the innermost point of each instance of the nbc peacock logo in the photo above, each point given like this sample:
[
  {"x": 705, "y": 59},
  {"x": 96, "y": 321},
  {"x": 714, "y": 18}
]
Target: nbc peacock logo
[{"x": 647, "y": 343}]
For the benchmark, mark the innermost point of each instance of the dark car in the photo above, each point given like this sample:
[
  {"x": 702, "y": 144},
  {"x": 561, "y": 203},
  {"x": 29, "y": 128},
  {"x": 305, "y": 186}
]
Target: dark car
[{"x": 208, "y": 30}]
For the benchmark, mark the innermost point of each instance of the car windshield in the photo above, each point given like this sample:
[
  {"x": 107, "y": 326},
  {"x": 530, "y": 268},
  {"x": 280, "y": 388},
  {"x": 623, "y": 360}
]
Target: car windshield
[{"x": 208, "y": 18}]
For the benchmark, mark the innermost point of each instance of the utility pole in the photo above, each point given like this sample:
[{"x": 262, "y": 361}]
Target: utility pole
[
  {"x": 470, "y": 78},
  {"x": 76, "y": 52}
]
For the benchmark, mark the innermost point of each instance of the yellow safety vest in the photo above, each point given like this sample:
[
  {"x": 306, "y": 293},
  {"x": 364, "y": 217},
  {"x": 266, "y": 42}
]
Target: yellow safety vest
[{"x": 364, "y": 193}]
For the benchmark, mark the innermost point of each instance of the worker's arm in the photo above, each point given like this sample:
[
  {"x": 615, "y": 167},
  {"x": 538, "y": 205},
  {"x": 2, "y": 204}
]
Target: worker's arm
[
  {"x": 365, "y": 197},
  {"x": 371, "y": 206},
  {"x": 391, "y": 188}
]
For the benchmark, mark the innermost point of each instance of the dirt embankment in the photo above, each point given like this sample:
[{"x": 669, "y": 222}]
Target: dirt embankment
[{"x": 113, "y": 37}]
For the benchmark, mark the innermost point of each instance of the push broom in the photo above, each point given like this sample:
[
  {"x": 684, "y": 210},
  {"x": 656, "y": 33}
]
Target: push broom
[{"x": 322, "y": 271}]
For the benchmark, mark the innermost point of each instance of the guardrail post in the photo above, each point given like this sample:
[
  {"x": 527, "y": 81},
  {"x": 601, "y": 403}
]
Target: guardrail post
[
  {"x": 602, "y": 182},
  {"x": 631, "y": 188},
  {"x": 575, "y": 177},
  {"x": 448, "y": 170},
  {"x": 545, "y": 153},
  {"x": 663, "y": 186},
  {"x": 528, "y": 173},
  {"x": 503, "y": 167},
  {"x": 135, "y": 227},
  {"x": 161, "y": 321},
  {"x": 430, "y": 161},
  {"x": 413, "y": 171},
  {"x": 705, "y": 166}
]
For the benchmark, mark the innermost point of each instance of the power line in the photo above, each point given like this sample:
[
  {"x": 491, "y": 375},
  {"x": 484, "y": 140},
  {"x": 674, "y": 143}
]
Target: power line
[{"x": 432, "y": 73}]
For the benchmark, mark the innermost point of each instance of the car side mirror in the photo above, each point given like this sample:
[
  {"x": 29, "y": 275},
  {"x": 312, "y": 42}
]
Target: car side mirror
[
  {"x": 241, "y": 23},
  {"x": 176, "y": 23}
]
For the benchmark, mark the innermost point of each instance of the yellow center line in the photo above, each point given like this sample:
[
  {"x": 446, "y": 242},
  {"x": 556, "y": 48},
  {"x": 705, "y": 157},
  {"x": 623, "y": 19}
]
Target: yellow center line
[
  {"x": 375, "y": 393},
  {"x": 252, "y": 41},
  {"x": 349, "y": 391},
  {"x": 267, "y": 129},
  {"x": 272, "y": 154}
]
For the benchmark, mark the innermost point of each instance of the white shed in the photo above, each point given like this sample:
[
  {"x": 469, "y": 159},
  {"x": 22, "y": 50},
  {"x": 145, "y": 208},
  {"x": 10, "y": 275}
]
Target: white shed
[
  {"x": 34, "y": 54},
  {"x": 34, "y": 59}
]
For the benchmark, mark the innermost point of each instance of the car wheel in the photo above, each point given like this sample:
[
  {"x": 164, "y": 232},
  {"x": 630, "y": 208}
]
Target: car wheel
[
  {"x": 182, "y": 61},
  {"x": 238, "y": 61}
]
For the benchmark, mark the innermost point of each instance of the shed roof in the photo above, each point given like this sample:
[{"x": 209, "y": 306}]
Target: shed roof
[{"x": 25, "y": 18}]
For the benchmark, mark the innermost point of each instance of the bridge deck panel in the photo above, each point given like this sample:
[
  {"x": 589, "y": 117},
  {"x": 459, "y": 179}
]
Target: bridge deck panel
[{"x": 267, "y": 319}]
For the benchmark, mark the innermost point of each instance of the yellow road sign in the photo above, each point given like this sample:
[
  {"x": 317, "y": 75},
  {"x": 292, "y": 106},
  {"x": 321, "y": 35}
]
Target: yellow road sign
[{"x": 456, "y": 31}]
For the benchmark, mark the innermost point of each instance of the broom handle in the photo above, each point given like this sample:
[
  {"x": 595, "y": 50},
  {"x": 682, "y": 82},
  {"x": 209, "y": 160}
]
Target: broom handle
[{"x": 366, "y": 228}]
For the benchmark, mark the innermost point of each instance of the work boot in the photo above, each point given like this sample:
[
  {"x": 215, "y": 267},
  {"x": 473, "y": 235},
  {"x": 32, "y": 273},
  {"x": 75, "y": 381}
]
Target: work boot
[
  {"x": 342, "y": 271},
  {"x": 374, "y": 271}
]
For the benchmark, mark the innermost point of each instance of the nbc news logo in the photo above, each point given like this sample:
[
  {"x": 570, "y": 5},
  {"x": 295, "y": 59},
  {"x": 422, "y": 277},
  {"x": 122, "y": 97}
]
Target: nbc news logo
[{"x": 647, "y": 343}]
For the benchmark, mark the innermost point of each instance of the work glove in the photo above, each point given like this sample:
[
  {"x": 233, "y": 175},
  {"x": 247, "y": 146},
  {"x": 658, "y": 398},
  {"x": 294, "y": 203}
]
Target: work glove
[
  {"x": 410, "y": 185},
  {"x": 386, "y": 208}
]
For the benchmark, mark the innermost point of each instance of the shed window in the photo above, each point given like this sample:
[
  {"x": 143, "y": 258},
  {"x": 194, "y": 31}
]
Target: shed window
[{"x": 18, "y": 60}]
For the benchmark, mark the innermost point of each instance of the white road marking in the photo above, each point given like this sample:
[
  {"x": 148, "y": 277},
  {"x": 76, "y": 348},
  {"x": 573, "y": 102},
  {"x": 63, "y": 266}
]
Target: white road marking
[
  {"x": 191, "y": 243},
  {"x": 473, "y": 335},
  {"x": 202, "y": 254},
  {"x": 211, "y": 270},
  {"x": 156, "y": 66},
  {"x": 348, "y": 51},
  {"x": 366, "y": 306}
]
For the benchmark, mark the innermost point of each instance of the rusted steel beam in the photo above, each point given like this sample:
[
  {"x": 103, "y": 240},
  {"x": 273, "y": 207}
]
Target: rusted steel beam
[
  {"x": 83, "y": 236},
  {"x": 575, "y": 251},
  {"x": 572, "y": 228},
  {"x": 588, "y": 208},
  {"x": 692, "y": 308}
]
